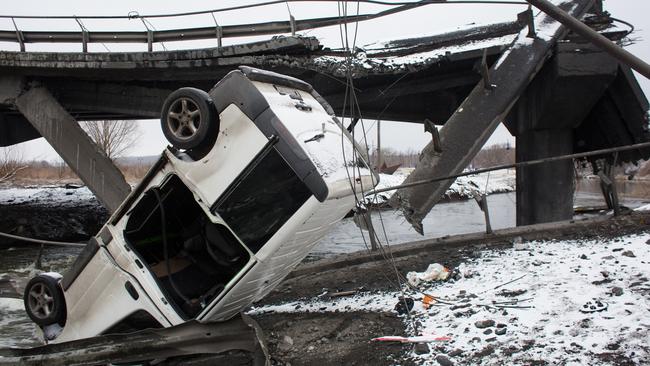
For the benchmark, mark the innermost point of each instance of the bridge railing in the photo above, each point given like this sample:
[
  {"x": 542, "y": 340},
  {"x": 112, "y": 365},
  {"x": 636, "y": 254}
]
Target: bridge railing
[{"x": 151, "y": 36}]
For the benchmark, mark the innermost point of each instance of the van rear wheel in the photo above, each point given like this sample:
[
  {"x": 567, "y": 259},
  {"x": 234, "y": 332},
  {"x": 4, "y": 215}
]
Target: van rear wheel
[
  {"x": 189, "y": 119},
  {"x": 44, "y": 301}
]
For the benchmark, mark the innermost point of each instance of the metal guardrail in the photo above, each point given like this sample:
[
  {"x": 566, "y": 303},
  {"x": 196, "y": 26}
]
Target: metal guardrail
[{"x": 150, "y": 35}]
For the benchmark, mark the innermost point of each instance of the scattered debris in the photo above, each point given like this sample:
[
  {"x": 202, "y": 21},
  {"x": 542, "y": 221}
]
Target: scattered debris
[
  {"x": 344, "y": 293},
  {"x": 511, "y": 293},
  {"x": 435, "y": 272},
  {"x": 416, "y": 339},
  {"x": 404, "y": 305},
  {"x": 594, "y": 306}
]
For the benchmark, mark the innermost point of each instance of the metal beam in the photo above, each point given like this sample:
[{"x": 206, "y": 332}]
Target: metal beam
[
  {"x": 65, "y": 135},
  {"x": 478, "y": 116}
]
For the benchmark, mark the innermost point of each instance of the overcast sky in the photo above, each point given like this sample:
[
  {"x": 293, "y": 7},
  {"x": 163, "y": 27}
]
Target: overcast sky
[{"x": 422, "y": 21}]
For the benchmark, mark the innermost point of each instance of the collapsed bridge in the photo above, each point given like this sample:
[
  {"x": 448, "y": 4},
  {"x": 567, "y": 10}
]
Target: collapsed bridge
[{"x": 554, "y": 91}]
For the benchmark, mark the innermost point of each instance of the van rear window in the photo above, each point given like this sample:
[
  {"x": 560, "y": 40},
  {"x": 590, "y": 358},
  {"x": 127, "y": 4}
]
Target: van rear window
[{"x": 263, "y": 200}]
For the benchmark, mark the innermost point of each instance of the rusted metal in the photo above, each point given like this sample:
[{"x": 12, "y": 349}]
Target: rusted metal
[{"x": 596, "y": 38}]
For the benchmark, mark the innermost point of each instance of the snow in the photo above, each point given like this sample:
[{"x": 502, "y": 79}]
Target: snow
[
  {"x": 643, "y": 208},
  {"x": 551, "y": 282},
  {"x": 466, "y": 187},
  {"x": 45, "y": 195},
  {"x": 367, "y": 61}
]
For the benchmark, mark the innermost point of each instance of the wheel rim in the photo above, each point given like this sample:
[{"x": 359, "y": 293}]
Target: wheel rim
[
  {"x": 41, "y": 301},
  {"x": 184, "y": 119}
]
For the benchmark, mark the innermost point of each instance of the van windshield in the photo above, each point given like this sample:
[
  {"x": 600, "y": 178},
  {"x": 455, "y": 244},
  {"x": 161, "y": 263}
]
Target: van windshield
[{"x": 262, "y": 200}]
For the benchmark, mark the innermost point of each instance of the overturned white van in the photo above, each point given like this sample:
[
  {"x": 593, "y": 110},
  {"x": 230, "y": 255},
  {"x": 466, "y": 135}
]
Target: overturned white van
[{"x": 258, "y": 171}]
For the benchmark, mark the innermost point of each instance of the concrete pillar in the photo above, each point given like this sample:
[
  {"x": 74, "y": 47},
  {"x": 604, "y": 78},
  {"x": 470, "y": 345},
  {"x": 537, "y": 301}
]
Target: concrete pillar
[
  {"x": 545, "y": 192},
  {"x": 65, "y": 135}
]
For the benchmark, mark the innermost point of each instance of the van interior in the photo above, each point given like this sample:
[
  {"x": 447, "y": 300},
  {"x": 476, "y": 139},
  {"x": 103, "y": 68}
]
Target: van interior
[{"x": 191, "y": 257}]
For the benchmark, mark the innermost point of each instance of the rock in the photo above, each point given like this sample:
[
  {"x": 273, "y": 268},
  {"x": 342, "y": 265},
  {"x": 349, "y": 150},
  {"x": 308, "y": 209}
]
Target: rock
[
  {"x": 583, "y": 257},
  {"x": 487, "y": 331},
  {"x": 484, "y": 324},
  {"x": 521, "y": 246},
  {"x": 456, "y": 352},
  {"x": 404, "y": 305},
  {"x": 528, "y": 344},
  {"x": 647, "y": 241},
  {"x": 604, "y": 273},
  {"x": 286, "y": 344},
  {"x": 628, "y": 253},
  {"x": 488, "y": 350},
  {"x": 617, "y": 291},
  {"x": 444, "y": 360},
  {"x": 500, "y": 331},
  {"x": 617, "y": 250},
  {"x": 421, "y": 348}
]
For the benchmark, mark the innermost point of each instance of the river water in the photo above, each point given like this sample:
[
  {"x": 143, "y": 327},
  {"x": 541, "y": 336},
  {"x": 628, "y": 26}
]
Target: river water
[{"x": 17, "y": 264}]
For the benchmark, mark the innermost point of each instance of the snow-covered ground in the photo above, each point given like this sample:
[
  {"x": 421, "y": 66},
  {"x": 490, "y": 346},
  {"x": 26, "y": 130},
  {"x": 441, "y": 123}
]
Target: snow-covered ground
[
  {"x": 539, "y": 316},
  {"x": 44, "y": 195},
  {"x": 501, "y": 181}
]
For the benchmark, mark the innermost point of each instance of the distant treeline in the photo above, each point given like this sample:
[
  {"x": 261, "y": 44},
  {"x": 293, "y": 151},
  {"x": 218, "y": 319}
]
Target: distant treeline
[{"x": 490, "y": 156}]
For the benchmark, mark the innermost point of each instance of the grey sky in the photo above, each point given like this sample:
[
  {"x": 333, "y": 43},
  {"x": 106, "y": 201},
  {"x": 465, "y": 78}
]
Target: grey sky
[{"x": 422, "y": 21}]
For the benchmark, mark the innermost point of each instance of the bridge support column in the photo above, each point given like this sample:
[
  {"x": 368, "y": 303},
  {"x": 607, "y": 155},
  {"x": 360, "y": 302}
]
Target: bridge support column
[
  {"x": 545, "y": 192},
  {"x": 65, "y": 135},
  {"x": 557, "y": 101}
]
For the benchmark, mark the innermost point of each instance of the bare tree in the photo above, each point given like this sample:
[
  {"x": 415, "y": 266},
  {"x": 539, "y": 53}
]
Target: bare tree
[
  {"x": 11, "y": 162},
  {"x": 114, "y": 138},
  {"x": 494, "y": 155}
]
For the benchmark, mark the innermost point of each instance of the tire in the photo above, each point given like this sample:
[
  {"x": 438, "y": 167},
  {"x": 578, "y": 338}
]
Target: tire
[
  {"x": 44, "y": 301},
  {"x": 189, "y": 120}
]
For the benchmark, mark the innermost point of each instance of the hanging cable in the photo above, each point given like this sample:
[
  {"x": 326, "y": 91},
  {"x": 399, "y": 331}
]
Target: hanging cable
[
  {"x": 42, "y": 241},
  {"x": 163, "y": 229}
]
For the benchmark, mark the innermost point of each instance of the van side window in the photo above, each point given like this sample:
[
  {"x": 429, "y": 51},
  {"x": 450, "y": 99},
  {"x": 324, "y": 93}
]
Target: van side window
[{"x": 263, "y": 200}]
